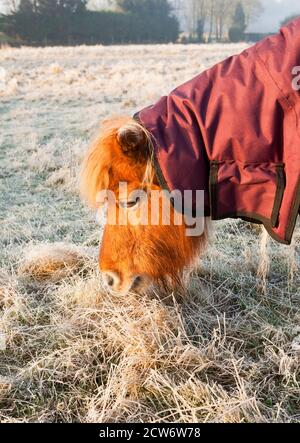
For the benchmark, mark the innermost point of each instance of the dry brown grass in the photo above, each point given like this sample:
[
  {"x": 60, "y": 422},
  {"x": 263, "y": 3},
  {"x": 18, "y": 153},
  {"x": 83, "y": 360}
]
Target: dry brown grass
[{"x": 75, "y": 353}]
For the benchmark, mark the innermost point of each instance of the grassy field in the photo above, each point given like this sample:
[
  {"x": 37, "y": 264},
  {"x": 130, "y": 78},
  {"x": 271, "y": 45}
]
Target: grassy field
[{"x": 230, "y": 352}]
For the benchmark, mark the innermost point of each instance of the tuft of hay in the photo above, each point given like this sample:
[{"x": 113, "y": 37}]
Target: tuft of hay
[{"x": 53, "y": 262}]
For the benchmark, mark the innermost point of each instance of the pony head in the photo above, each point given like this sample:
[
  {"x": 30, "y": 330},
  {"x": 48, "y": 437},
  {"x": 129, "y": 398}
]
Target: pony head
[{"x": 134, "y": 253}]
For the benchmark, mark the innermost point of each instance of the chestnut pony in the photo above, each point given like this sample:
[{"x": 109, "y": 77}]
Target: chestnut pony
[{"x": 133, "y": 255}]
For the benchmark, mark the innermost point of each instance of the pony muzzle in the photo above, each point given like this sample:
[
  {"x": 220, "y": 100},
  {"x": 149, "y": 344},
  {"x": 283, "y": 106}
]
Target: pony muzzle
[{"x": 116, "y": 285}]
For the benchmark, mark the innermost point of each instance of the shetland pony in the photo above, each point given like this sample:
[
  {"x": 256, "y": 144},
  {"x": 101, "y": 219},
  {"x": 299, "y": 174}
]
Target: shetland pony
[{"x": 135, "y": 255}]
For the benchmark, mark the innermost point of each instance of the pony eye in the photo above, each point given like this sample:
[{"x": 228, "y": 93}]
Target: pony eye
[{"x": 129, "y": 204}]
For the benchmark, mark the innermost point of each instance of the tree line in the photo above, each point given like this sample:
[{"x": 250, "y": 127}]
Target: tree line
[
  {"x": 52, "y": 22},
  {"x": 71, "y": 22}
]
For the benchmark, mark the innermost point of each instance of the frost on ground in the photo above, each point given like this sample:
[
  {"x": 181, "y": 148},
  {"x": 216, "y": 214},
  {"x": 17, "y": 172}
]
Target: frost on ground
[{"x": 70, "y": 352}]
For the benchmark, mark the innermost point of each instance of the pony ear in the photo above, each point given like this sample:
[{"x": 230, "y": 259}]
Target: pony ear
[{"x": 133, "y": 140}]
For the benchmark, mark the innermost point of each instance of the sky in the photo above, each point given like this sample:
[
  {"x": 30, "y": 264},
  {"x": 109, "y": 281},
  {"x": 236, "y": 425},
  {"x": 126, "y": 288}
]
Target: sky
[
  {"x": 269, "y": 21},
  {"x": 275, "y": 11}
]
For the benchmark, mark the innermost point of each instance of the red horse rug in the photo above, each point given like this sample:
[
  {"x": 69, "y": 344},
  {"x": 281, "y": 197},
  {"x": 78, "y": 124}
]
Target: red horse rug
[{"x": 233, "y": 131}]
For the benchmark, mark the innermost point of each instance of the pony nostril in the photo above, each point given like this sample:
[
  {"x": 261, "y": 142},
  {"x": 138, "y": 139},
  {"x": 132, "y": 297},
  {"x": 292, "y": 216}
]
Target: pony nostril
[
  {"x": 138, "y": 280},
  {"x": 111, "y": 280}
]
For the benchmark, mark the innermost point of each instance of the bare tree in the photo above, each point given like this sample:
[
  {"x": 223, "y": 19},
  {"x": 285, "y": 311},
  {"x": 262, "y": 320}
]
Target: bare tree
[
  {"x": 214, "y": 15},
  {"x": 224, "y": 11},
  {"x": 252, "y": 8},
  {"x": 194, "y": 13}
]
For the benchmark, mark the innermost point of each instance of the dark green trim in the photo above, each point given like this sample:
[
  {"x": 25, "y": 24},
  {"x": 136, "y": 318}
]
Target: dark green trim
[
  {"x": 280, "y": 187},
  {"x": 255, "y": 218},
  {"x": 294, "y": 214},
  {"x": 159, "y": 174}
]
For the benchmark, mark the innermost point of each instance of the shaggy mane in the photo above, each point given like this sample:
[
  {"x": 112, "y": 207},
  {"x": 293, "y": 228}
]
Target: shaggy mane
[{"x": 103, "y": 152}]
